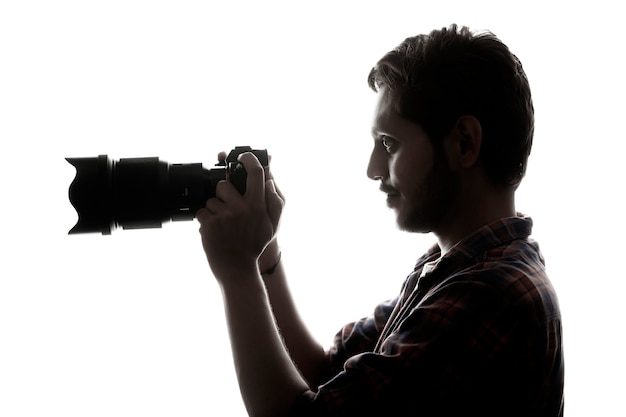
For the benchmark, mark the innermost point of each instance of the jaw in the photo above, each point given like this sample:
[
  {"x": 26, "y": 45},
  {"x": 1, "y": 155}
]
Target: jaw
[{"x": 423, "y": 219}]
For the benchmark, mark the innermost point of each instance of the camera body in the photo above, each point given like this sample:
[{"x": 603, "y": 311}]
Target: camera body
[{"x": 139, "y": 193}]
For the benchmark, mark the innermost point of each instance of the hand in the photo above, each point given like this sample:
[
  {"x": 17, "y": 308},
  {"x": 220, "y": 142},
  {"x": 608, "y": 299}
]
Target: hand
[
  {"x": 274, "y": 207},
  {"x": 237, "y": 228}
]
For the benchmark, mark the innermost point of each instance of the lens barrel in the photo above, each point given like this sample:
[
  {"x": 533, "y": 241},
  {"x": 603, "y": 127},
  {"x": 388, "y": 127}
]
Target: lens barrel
[{"x": 140, "y": 193}]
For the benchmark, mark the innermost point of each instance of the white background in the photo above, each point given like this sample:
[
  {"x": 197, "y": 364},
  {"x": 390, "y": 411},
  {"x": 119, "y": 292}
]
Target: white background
[{"x": 131, "y": 324}]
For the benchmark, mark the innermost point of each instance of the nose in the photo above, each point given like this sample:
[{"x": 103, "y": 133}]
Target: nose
[{"x": 377, "y": 167}]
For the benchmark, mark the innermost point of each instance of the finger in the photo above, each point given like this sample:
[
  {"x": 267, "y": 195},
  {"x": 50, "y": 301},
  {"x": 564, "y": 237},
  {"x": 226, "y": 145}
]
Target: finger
[
  {"x": 214, "y": 206},
  {"x": 226, "y": 191},
  {"x": 255, "y": 182},
  {"x": 203, "y": 215},
  {"x": 267, "y": 170},
  {"x": 280, "y": 193},
  {"x": 270, "y": 176},
  {"x": 274, "y": 203}
]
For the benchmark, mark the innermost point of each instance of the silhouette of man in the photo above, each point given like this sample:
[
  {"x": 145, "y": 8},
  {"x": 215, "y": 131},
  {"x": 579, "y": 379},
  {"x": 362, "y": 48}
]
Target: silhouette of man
[{"x": 476, "y": 327}]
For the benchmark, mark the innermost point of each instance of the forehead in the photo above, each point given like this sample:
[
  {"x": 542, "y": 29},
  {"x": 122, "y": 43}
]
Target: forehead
[
  {"x": 386, "y": 119},
  {"x": 384, "y": 111}
]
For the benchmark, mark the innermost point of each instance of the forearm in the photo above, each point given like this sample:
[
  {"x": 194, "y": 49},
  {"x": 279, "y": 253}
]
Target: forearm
[
  {"x": 305, "y": 351},
  {"x": 268, "y": 379},
  {"x": 236, "y": 230}
]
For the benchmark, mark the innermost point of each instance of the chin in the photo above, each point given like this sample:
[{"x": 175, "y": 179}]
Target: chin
[
  {"x": 413, "y": 225},
  {"x": 419, "y": 221},
  {"x": 413, "y": 228}
]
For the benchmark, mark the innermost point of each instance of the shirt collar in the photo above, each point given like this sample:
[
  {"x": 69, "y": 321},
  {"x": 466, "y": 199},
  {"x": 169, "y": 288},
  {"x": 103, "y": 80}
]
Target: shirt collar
[{"x": 492, "y": 235}]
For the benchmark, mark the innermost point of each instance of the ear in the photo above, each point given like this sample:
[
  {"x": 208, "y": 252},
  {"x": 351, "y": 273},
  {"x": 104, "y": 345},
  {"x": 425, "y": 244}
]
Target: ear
[{"x": 465, "y": 142}]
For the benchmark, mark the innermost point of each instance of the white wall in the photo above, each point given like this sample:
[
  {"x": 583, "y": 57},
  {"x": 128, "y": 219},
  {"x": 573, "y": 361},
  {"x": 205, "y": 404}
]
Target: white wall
[{"x": 131, "y": 324}]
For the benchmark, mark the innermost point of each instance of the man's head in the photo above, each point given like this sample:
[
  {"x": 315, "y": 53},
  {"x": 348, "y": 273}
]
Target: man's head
[{"x": 450, "y": 82}]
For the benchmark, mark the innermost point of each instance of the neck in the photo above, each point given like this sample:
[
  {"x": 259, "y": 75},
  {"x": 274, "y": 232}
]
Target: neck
[{"x": 470, "y": 214}]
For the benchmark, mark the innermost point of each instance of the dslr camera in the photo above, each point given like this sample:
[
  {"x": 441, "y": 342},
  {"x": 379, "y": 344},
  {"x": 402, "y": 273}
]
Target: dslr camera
[{"x": 140, "y": 193}]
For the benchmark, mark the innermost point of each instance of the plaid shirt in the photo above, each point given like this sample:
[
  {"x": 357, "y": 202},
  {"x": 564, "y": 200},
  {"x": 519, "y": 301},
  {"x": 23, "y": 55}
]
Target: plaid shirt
[{"x": 475, "y": 332}]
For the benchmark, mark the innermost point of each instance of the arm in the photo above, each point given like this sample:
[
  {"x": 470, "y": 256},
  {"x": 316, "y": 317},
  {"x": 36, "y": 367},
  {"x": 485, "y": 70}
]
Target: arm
[
  {"x": 268, "y": 380},
  {"x": 235, "y": 230},
  {"x": 307, "y": 354}
]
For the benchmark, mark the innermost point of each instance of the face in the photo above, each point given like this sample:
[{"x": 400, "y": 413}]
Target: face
[{"x": 415, "y": 176}]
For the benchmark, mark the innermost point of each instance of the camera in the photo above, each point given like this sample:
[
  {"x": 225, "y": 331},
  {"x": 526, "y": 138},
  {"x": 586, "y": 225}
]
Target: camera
[{"x": 140, "y": 193}]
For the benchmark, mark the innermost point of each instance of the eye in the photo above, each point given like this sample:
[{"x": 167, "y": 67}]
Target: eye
[{"x": 388, "y": 143}]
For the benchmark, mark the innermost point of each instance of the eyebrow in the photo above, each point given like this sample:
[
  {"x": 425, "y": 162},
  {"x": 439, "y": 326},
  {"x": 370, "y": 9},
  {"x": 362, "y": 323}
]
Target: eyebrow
[{"x": 377, "y": 133}]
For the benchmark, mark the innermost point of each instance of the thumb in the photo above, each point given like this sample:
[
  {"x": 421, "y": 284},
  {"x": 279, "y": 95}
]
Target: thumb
[{"x": 274, "y": 202}]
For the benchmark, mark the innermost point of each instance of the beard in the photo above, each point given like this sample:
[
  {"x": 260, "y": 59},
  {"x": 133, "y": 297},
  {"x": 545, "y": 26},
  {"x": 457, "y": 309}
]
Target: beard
[{"x": 426, "y": 204}]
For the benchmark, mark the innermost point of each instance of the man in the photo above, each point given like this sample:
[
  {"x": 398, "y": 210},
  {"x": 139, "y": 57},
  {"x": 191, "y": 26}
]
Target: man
[{"x": 476, "y": 329}]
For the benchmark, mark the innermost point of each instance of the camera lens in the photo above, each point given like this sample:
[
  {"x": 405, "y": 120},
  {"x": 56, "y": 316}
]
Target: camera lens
[
  {"x": 137, "y": 193},
  {"x": 140, "y": 193}
]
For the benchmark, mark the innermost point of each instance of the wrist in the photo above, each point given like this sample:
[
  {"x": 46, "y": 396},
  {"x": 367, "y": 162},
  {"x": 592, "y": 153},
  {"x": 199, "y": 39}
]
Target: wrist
[
  {"x": 270, "y": 258},
  {"x": 246, "y": 291},
  {"x": 236, "y": 272},
  {"x": 272, "y": 269}
]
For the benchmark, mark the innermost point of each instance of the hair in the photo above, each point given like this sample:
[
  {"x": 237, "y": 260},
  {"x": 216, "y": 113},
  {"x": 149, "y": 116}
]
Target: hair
[{"x": 434, "y": 79}]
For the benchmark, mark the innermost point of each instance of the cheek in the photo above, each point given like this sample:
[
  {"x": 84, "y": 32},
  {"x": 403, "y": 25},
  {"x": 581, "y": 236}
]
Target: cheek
[
  {"x": 402, "y": 172},
  {"x": 408, "y": 175}
]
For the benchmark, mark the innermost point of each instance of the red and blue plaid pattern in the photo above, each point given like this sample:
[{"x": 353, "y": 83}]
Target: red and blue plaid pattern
[{"x": 477, "y": 334}]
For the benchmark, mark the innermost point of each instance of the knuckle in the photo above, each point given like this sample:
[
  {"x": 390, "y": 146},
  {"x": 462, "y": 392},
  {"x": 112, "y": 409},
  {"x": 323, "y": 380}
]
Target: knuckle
[
  {"x": 255, "y": 169},
  {"x": 220, "y": 187}
]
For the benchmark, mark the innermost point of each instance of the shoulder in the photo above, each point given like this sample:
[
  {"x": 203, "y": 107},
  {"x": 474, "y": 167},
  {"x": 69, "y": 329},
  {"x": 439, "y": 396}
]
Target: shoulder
[{"x": 512, "y": 276}]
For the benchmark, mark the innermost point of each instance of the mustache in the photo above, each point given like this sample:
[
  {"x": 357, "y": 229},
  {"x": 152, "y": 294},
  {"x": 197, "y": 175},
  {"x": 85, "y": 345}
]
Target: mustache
[{"x": 387, "y": 189}]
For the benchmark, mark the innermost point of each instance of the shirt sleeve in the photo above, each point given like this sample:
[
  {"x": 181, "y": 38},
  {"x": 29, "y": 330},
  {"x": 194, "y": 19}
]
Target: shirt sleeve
[
  {"x": 448, "y": 352},
  {"x": 358, "y": 337}
]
